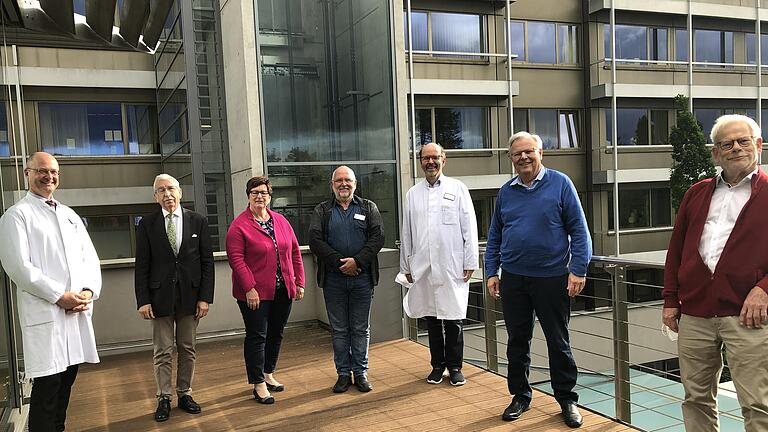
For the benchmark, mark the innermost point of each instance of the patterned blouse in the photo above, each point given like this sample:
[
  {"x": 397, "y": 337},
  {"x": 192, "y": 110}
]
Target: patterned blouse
[{"x": 269, "y": 227}]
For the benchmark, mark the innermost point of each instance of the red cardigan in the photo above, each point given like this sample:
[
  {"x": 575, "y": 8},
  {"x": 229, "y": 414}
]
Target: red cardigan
[
  {"x": 688, "y": 283},
  {"x": 251, "y": 255}
]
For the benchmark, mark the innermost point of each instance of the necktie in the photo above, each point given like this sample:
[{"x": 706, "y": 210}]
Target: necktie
[
  {"x": 172, "y": 233},
  {"x": 51, "y": 203}
]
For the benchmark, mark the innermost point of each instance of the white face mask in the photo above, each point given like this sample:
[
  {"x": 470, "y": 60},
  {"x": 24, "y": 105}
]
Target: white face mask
[{"x": 668, "y": 333}]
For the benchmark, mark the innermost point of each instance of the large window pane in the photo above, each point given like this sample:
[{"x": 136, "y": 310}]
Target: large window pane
[
  {"x": 81, "y": 129},
  {"x": 5, "y": 147},
  {"x": 634, "y": 208},
  {"x": 707, "y": 117},
  {"x": 659, "y": 127},
  {"x": 142, "y": 128},
  {"x": 630, "y": 42},
  {"x": 569, "y": 134},
  {"x": 461, "y": 128},
  {"x": 632, "y": 126},
  {"x": 750, "y": 43},
  {"x": 419, "y": 34},
  {"x": 520, "y": 120},
  {"x": 456, "y": 32},
  {"x": 517, "y": 39},
  {"x": 423, "y": 127},
  {"x": 713, "y": 46},
  {"x": 568, "y": 47},
  {"x": 681, "y": 45},
  {"x": 111, "y": 235},
  {"x": 543, "y": 123},
  {"x": 541, "y": 42}
]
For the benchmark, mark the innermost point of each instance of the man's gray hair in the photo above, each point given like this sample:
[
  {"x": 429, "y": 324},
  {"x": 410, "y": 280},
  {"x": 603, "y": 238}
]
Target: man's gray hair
[
  {"x": 167, "y": 177},
  {"x": 439, "y": 146},
  {"x": 732, "y": 118},
  {"x": 351, "y": 173},
  {"x": 524, "y": 134}
]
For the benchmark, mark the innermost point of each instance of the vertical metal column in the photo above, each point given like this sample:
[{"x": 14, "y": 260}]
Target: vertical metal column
[
  {"x": 758, "y": 56},
  {"x": 690, "y": 57},
  {"x": 508, "y": 44},
  {"x": 614, "y": 132},
  {"x": 621, "y": 345},
  {"x": 489, "y": 319},
  {"x": 414, "y": 164}
]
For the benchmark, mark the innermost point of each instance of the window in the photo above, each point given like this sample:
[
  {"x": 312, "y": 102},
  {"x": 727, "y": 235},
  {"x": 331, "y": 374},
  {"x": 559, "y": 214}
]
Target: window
[
  {"x": 5, "y": 146},
  {"x": 637, "y": 42},
  {"x": 442, "y": 31},
  {"x": 111, "y": 235},
  {"x": 635, "y": 128},
  {"x": 546, "y": 42},
  {"x": 641, "y": 207},
  {"x": 558, "y": 129},
  {"x": 751, "y": 49},
  {"x": 681, "y": 45},
  {"x": 707, "y": 117},
  {"x": 713, "y": 46},
  {"x": 96, "y": 129},
  {"x": 453, "y": 128}
]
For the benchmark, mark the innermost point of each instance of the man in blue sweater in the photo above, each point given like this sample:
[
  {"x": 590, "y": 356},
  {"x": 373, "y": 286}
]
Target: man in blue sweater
[{"x": 540, "y": 242}]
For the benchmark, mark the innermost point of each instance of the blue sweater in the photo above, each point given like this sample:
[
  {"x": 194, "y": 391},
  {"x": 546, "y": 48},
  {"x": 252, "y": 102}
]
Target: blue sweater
[{"x": 539, "y": 232}]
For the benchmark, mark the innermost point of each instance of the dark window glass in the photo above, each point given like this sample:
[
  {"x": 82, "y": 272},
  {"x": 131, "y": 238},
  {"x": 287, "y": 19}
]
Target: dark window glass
[
  {"x": 707, "y": 117},
  {"x": 750, "y": 42},
  {"x": 81, "y": 128},
  {"x": 517, "y": 39},
  {"x": 659, "y": 127},
  {"x": 173, "y": 127},
  {"x": 541, "y": 42},
  {"x": 658, "y": 44},
  {"x": 423, "y": 126},
  {"x": 568, "y": 48},
  {"x": 661, "y": 207},
  {"x": 681, "y": 45},
  {"x": 419, "y": 34},
  {"x": 520, "y": 120},
  {"x": 713, "y": 46},
  {"x": 456, "y": 32},
  {"x": 142, "y": 128},
  {"x": 632, "y": 126},
  {"x": 461, "y": 128},
  {"x": 111, "y": 235},
  {"x": 483, "y": 211},
  {"x": 633, "y": 208},
  {"x": 543, "y": 122},
  {"x": 764, "y": 125},
  {"x": 5, "y": 147}
]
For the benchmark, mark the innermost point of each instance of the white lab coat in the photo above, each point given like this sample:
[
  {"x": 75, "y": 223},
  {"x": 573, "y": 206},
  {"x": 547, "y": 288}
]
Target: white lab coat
[
  {"x": 437, "y": 243},
  {"x": 46, "y": 253}
]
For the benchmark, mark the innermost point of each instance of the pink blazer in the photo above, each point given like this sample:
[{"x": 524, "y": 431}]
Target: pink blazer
[{"x": 251, "y": 255}]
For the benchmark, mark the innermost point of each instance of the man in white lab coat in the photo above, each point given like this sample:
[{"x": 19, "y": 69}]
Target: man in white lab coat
[
  {"x": 48, "y": 254},
  {"x": 438, "y": 254}
]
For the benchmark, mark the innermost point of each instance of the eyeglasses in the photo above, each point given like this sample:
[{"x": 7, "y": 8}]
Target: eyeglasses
[
  {"x": 44, "y": 171},
  {"x": 743, "y": 142},
  {"x": 163, "y": 189},
  {"x": 518, "y": 155},
  {"x": 431, "y": 158},
  {"x": 259, "y": 193},
  {"x": 343, "y": 180}
]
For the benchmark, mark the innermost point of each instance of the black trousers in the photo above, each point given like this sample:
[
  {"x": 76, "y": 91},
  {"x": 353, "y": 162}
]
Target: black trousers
[
  {"x": 264, "y": 334},
  {"x": 446, "y": 342},
  {"x": 49, "y": 400},
  {"x": 522, "y": 299}
]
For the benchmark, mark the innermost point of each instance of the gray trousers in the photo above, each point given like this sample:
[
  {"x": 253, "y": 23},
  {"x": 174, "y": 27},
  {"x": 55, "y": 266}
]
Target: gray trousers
[{"x": 164, "y": 329}]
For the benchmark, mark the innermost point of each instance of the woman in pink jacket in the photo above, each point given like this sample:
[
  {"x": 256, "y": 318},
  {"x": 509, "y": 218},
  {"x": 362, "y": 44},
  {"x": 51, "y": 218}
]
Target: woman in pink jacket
[{"x": 267, "y": 275}]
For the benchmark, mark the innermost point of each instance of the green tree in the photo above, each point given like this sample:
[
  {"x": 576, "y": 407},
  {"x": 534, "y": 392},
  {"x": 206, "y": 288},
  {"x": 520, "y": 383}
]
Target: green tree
[{"x": 691, "y": 160}]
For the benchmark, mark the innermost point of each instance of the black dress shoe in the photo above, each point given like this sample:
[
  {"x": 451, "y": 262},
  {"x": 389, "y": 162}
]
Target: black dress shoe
[
  {"x": 362, "y": 383},
  {"x": 571, "y": 415},
  {"x": 163, "y": 411},
  {"x": 515, "y": 409},
  {"x": 189, "y": 405},
  {"x": 275, "y": 388},
  {"x": 266, "y": 400},
  {"x": 342, "y": 384}
]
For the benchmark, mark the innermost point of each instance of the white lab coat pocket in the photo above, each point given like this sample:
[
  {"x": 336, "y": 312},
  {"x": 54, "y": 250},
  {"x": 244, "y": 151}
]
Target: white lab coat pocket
[
  {"x": 450, "y": 215},
  {"x": 36, "y": 310}
]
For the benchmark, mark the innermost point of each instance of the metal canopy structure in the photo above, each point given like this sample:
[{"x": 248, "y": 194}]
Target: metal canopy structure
[{"x": 127, "y": 24}]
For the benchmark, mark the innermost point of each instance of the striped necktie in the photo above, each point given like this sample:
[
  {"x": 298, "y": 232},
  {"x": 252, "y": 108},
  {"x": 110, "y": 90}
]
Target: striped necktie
[{"x": 172, "y": 233}]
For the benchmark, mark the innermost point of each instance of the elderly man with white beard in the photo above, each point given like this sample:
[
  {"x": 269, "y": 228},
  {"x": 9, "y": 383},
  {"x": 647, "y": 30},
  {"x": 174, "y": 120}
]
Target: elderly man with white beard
[
  {"x": 539, "y": 243},
  {"x": 438, "y": 254}
]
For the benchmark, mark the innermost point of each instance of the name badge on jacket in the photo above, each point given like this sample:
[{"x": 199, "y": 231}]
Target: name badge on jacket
[
  {"x": 449, "y": 197},
  {"x": 359, "y": 216}
]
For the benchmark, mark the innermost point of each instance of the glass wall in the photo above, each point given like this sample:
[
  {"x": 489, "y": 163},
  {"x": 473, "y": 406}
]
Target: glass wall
[{"x": 327, "y": 89}]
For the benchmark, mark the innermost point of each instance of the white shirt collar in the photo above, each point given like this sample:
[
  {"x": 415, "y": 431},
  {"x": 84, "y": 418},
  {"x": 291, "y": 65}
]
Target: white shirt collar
[
  {"x": 722, "y": 183},
  {"x": 516, "y": 181},
  {"x": 176, "y": 212}
]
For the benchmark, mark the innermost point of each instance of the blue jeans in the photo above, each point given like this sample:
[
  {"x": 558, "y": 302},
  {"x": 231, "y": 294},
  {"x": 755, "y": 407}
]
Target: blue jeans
[{"x": 348, "y": 302}]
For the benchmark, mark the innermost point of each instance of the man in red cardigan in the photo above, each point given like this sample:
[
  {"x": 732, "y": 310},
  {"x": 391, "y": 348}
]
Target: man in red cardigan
[{"x": 716, "y": 280}]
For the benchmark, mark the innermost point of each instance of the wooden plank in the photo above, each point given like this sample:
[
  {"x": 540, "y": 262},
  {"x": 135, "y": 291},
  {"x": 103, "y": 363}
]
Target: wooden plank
[{"x": 118, "y": 394}]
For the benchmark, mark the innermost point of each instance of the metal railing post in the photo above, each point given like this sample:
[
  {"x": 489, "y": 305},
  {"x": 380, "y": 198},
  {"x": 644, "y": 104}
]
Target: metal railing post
[
  {"x": 489, "y": 319},
  {"x": 621, "y": 345}
]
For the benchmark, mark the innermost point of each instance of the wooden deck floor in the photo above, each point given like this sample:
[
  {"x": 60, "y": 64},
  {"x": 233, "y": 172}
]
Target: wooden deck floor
[{"x": 118, "y": 395}]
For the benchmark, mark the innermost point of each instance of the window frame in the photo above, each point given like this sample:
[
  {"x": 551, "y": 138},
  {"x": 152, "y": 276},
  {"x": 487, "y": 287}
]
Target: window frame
[
  {"x": 483, "y": 26},
  {"x": 524, "y": 59},
  {"x": 433, "y": 123},
  {"x": 558, "y": 113},
  {"x": 649, "y": 127},
  {"x": 648, "y": 188}
]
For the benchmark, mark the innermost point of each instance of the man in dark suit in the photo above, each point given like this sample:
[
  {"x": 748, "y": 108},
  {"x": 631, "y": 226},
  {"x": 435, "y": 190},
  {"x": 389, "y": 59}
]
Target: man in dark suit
[{"x": 174, "y": 286}]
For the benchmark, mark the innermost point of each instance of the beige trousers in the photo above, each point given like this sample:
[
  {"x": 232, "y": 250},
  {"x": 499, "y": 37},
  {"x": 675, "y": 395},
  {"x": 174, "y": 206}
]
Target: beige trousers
[
  {"x": 701, "y": 363},
  {"x": 163, "y": 337}
]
